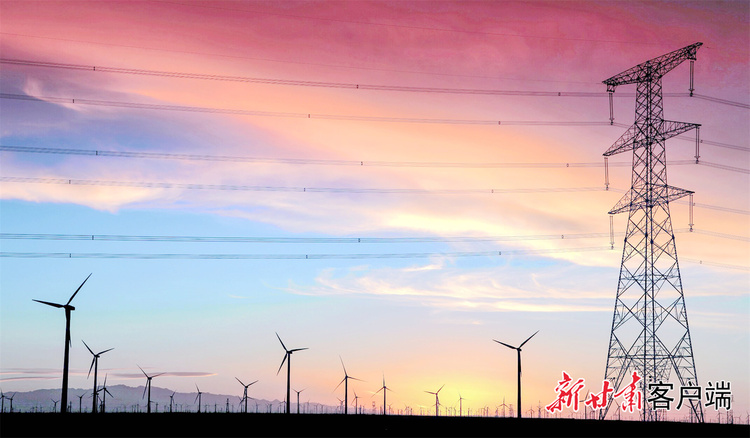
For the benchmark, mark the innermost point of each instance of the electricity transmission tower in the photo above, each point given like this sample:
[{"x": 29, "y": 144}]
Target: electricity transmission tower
[{"x": 650, "y": 332}]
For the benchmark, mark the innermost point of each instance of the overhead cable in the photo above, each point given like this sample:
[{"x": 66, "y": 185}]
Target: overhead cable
[
  {"x": 190, "y": 186},
  {"x": 242, "y": 112},
  {"x": 186, "y": 256},
  {"x": 331, "y": 240},
  {"x": 361, "y": 163},
  {"x": 345, "y": 85}
]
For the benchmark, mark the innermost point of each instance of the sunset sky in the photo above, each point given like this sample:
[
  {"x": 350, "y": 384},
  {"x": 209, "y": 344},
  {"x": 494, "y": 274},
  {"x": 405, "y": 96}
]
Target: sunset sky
[{"x": 417, "y": 153}]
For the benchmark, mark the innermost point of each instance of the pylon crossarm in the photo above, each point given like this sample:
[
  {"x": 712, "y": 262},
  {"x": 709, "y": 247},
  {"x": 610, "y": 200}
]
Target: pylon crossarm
[
  {"x": 653, "y": 69},
  {"x": 671, "y": 129},
  {"x": 625, "y": 143}
]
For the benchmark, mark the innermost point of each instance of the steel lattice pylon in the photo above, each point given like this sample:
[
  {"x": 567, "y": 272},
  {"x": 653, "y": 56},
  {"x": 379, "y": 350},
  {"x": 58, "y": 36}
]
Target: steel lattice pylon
[{"x": 650, "y": 332}]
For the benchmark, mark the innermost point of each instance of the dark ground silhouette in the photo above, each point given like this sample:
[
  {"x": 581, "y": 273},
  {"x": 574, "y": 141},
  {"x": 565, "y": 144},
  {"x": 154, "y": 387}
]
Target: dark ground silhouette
[{"x": 222, "y": 424}]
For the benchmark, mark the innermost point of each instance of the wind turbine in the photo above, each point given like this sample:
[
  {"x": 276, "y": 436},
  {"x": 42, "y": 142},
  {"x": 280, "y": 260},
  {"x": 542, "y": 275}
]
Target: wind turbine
[
  {"x": 384, "y": 389},
  {"x": 80, "y": 402},
  {"x": 503, "y": 406},
  {"x": 198, "y": 398},
  {"x": 54, "y": 407},
  {"x": 298, "y": 398},
  {"x": 95, "y": 366},
  {"x": 437, "y": 400},
  {"x": 345, "y": 381},
  {"x": 105, "y": 391},
  {"x": 518, "y": 349},
  {"x": 11, "y": 401},
  {"x": 356, "y": 410},
  {"x": 288, "y": 359},
  {"x": 148, "y": 386},
  {"x": 2, "y": 402},
  {"x": 460, "y": 405},
  {"x": 245, "y": 393},
  {"x": 68, "y": 308}
]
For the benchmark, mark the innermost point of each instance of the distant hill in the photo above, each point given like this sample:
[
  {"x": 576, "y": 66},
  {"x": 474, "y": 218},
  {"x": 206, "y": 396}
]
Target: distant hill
[{"x": 130, "y": 399}]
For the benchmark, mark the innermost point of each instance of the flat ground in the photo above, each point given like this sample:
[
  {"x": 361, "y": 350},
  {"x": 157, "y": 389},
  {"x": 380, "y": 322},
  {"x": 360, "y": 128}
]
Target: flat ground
[{"x": 210, "y": 425}]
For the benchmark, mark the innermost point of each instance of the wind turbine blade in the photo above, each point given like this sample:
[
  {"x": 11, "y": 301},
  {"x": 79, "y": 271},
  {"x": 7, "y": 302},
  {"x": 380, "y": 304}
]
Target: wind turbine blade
[
  {"x": 509, "y": 346},
  {"x": 282, "y": 342},
  {"x": 102, "y": 352},
  {"x": 144, "y": 389},
  {"x": 298, "y": 349},
  {"x": 79, "y": 288},
  {"x": 354, "y": 378},
  {"x": 342, "y": 365},
  {"x": 378, "y": 390},
  {"x": 87, "y": 347},
  {"x": 255, "y": 383},
  {"x": 282, "y": 362},
  {"x": 91, "y": 367},
  {"x": 240, "y": 381},
  {"x": 196, "y": 387},
  {"x": 342, "y": 381},
  {"x": 429, "y": 392},
  {"x": 196, "y": 397},
  {"x": 440, "y": 388},
  {"x": 527, "y": 340},
  {"x": 144, "y": 373},
  {"x": 49, "y": 304},
  {"x": 157, "y": 375}
]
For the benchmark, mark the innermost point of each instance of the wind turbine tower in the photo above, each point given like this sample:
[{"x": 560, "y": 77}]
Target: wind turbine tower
[
  {"x": 244, "y": 396},
  {"x": 385, "y": 389},
  {"x": 148, "y": 387},
  {"x": 288, "y": 359},
  {"x": 518, "y": 349},
  {"x": 437, "y": 401},
  {"x": 68, "y": 308},
  {"x": 650, "y": 332},
  {"x": 345, "y": 381},
  {"x": 95, "y": 366}
]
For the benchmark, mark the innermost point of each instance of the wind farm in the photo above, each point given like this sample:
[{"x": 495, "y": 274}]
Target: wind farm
[{"x": 425, "y": 188}]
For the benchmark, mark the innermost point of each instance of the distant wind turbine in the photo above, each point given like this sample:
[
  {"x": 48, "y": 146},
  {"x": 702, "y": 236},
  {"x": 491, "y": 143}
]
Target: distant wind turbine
[
  {"x": 460, "y": 405},
  {"x": 95, "y": 366},
  {"x": 198, "y": 398},
  {"x": 437, "y": 400},
  {"x": 288, "y": 359},
  {"x": 68, "y": 308},
  {"x": 148, "y": 387},
  {"x": 298, "y": 392},
  {"x": 2, "y": 401},
  {"x": 385, "y": 389},
  {"x": 171, "y": 401},
  {"x": 244, "y": 396},
  {"x": 518, "y": 349},
  {"x": 105, "y": 391},
  {"x": 356, "y": 410},
  {"x": 54, "y": 407},
  {"x": 11, "y": 401},
  {"x": 345, "y": 381},
  {"x": 80, "y": 402}
]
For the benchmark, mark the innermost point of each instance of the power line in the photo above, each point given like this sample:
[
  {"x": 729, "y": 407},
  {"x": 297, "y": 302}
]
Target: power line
[
  {"x": 329, "y": 240},
  {"x": 190, "y": 186},
  {"x": 351, "y": 86},
  {"x": 394, "y": 191},
  {"x": 241, "y": 112},
  {"x": 360, "y": 163},
  {"x": 194, "y": 256},
  {"x": 413, "y": 255},
  {"x": 352, "y": 67}
]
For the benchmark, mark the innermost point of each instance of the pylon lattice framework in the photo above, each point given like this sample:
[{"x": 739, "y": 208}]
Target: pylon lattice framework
[{"x": 650, "y": 332}]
